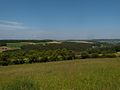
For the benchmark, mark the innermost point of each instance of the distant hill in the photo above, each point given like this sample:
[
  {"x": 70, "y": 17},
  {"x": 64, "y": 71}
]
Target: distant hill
[
  {"x": 18, "y": 41},
  {"x": 113, "y": 41}
]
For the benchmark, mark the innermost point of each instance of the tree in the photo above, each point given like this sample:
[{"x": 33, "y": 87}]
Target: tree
[
  {"x": 94, "y": 55},
  {"x": 84, "y": 55},
  {"x": 33, "y": 56},
  {"x": 4, "y": 59}
]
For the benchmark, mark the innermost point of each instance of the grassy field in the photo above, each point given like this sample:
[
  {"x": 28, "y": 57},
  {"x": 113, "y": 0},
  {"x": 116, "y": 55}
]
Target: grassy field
[
  {"x": 16, "y": 45},
  {"x": 87, "y": 74}
]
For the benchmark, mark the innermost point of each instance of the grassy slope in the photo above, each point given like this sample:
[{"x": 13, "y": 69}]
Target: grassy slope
[{"x": 89, "y": 74}]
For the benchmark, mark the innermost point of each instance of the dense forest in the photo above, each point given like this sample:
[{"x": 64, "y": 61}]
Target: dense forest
[
  {"x": 34, "y": 53},
  {"x": 68, "y": 45},
  {"x": 18, "y": 41},
  {"x": 3, "y": 44}
]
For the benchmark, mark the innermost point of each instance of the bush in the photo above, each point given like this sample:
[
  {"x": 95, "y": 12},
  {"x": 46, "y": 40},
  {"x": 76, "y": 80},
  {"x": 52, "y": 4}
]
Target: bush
[
  {"x": 5, "y": 59},
  {"x": 19, "y": 61},
  {"x": 4, "y": 63},
  {"x": 53, "y": 58},
  {"x": 44, "y": 59},
  {"x": 94, "y": 55},
  {"x": 109, "y": 55},
  {"x": 78, "y": 57},
  {"x": 84, "y": 55},
  {"x": 3, "y": 44}
]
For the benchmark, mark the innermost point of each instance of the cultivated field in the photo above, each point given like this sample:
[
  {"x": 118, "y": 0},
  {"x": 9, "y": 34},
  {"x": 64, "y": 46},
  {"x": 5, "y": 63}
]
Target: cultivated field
[
  {"x": 16, "y": 45},
  {"x": 87, "y": 74}
]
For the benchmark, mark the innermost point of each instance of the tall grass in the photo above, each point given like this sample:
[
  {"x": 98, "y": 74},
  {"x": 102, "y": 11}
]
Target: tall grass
[
  {"x": 89, "y": 74},
  {"x": 23, "y": 83}
]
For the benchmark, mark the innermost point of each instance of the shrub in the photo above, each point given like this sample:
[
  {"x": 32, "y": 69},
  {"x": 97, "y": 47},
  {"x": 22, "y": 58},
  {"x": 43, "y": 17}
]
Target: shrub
[
  {"x": 94, "y": 55},
  {"x": 84, "y": 55},
  {"x": 44, "y": 59},
  {"x": 77, "y": 56},
  {"x": 19, "y": 61},
  {"x": 5, "y": 59},
  {"x": 109, "y": 55},
  {"x": 53, "y": 58},
  {"x": 4, "y": 63}
]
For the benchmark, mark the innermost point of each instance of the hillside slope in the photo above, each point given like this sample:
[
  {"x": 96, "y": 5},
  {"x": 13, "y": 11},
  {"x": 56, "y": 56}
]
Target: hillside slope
[{"x": 87, "y": 74}]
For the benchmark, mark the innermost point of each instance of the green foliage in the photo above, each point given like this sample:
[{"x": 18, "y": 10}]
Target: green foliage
[
  {"x": 16, "y": 45},
  {"x": 56, "y": 52},
  {"x": 94, "y": 55},
  {"x": 68, "y": 45},
  {"x": 34, "y": 56},
  {"x": 3, "y": 44},
  {"x": 84, "y": 55},
  {"x": 18, "y": 41},
  {"x": 5, "y": 59},
  {"x": 109, "y": 55}
]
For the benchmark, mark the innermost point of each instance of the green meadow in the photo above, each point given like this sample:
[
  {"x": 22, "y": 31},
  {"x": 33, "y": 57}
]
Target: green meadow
[
  {"x": 16, "y": 45},
  {"x": 83, "y": 74}
]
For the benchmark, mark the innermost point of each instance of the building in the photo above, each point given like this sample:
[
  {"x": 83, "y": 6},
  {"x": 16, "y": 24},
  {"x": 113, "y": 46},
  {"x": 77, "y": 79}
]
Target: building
[{"x": 5, "y": 48}]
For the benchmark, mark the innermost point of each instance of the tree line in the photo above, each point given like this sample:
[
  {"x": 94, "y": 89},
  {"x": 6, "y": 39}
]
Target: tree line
[
  {"x": 57, "y": 52},
  {"x": 77, "y": 47},
  {"x": 33, "y": 56}
]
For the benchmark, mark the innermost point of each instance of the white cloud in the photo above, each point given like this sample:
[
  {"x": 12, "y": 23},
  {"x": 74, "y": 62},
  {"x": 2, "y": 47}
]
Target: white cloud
[
  {"x": 11, "y": 25},
  {"x": 14, "y": 30},
  {"x": 10, "y": 22},
  {"x": 11, "y": 29}
]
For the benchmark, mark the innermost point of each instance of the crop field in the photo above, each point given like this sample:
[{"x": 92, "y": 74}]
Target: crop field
[
  {"x": 16, "y": 45},
  {"x": 83, "y": 74}
]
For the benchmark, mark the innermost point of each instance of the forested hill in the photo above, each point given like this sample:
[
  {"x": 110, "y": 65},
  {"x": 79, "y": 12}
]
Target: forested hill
[
  {"x": 68, "y": 45},
  {"x": 19, "y": 41}
]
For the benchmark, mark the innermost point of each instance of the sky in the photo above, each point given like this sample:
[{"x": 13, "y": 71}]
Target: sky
[{"x": 59, "y": 19}]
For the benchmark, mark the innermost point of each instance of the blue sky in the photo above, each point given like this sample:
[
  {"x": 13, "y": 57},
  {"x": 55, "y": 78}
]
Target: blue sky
[{"x": 59, "y": 19}]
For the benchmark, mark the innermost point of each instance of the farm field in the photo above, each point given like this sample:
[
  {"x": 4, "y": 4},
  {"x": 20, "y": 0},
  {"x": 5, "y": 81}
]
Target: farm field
[
  {"x": 16, "y": 45},
  {"x": 83, "y": 74}
]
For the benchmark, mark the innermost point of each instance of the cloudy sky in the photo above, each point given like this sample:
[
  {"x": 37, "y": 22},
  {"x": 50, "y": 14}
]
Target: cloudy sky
[{"x": 59, "y": 19}]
